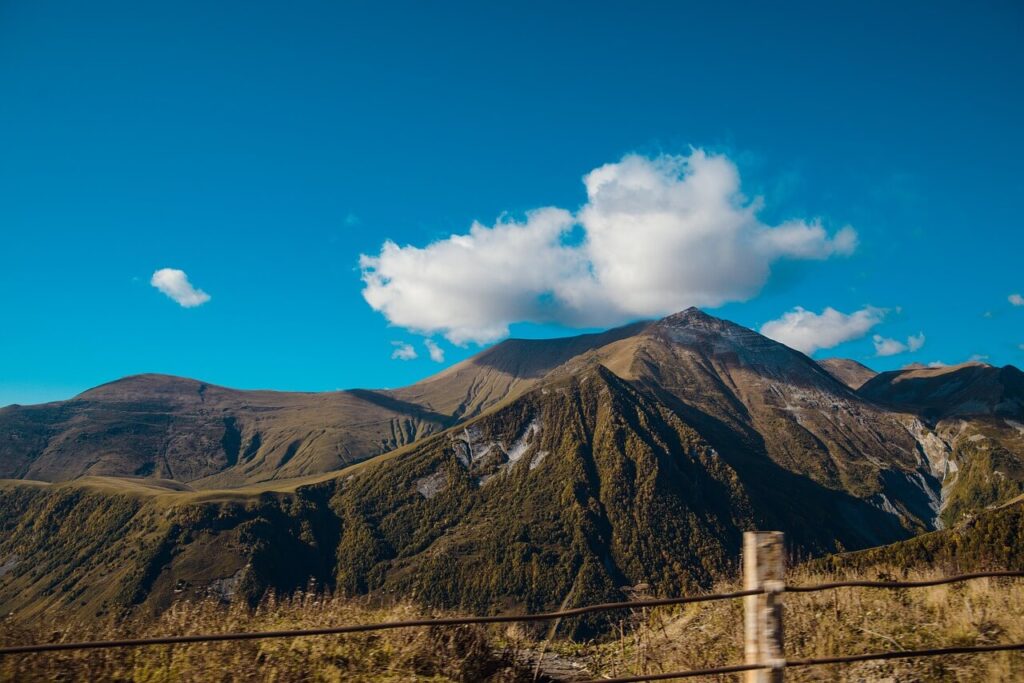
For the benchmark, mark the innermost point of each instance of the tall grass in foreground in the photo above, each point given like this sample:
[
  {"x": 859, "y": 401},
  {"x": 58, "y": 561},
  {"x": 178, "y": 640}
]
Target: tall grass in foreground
[
  {"x": 842, "y": 621},
  {"x": 419, "y": 654}
]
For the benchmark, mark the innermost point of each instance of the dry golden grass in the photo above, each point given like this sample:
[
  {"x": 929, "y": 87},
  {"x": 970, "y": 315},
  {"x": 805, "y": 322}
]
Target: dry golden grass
[
  {"x": 845, "y": 621},
  {"x": 419, "y": 654}
]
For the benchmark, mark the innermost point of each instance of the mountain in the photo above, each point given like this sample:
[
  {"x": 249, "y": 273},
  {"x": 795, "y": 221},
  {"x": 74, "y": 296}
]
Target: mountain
[
  {"x": 992, "y": 540},
  {"x": 967, "y": 390},
  {"x": 202, "y": 434},
  {"x": 849, "y": 372},
  {"x": 971, "y": 417},
  {"x": 210, "y": 436},
  {"x": 537, "y": 474},
  {"x": 503, "y": 371},
  {"x": 578, "y": 487}
]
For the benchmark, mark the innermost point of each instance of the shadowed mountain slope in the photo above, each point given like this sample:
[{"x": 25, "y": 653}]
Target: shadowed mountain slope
[{"x": 971, "y": 389}]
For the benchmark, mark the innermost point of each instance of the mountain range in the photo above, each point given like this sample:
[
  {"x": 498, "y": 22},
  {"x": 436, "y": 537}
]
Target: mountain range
[{"x": 538, "y": 473}]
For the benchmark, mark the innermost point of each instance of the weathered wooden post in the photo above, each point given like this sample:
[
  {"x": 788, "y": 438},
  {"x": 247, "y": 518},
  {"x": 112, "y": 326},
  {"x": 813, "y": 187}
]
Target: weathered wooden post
[{"x": 764, "y": 566}]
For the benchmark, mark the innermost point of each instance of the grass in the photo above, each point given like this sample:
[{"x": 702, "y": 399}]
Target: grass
[
  {"x": 423, "y": 654},
  {"x": 840, "y": 622},
  {"x": 843, "y": 621}
]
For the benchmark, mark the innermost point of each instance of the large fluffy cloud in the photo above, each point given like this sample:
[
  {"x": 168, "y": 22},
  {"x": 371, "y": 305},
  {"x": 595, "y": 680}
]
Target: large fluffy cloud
[
  {"x": 174, "y": 283},
  {"x": 655, "y": 235},
  {"x": 808, "y": 331}
]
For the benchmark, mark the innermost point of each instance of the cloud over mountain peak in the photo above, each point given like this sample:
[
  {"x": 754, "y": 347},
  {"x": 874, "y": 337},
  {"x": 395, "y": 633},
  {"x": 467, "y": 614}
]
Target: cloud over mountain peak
[{"x": 655, "y": 235}]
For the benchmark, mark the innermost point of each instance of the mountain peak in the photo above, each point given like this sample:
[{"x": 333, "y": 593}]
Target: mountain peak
[
  {"x": 694, "y": 326},
  {"x": 691, "y": 314}
]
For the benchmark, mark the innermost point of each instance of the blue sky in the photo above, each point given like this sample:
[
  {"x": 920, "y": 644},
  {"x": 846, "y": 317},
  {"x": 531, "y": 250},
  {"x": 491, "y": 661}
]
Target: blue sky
[{"x": 261, "y": 148}]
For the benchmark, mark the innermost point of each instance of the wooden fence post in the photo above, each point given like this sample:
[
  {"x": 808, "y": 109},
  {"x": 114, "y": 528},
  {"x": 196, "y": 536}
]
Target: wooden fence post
[{"x": 764, "y": 566}]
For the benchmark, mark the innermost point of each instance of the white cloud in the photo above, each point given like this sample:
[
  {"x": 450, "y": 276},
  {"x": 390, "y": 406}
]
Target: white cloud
[
  {"x": 403, "y": 351},
  {"x": 435, "y": 351},
  {"x": 978, "y": 358},
  {"x": 655, "y": 235},
  {"x": 174, "y": 283},
  {"x": 1016, "y": 299},
  {"x": 807, "y": 331},
  {"x": 884, "y": 346},
  {"x": 937, "y": 364}
]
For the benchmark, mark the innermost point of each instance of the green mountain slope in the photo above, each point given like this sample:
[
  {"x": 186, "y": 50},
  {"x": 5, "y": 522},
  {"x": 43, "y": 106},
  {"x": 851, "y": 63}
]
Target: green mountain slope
[
  {"x": 561, "y": 497},
  {"x": 991, "y": 540}
]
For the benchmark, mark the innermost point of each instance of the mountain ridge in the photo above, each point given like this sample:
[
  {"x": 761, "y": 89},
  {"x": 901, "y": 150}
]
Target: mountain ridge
[{"x": 638, "y": 455}]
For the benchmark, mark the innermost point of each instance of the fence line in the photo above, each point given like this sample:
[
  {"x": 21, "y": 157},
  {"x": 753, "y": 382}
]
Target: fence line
[{"x": 763, "y": 621}]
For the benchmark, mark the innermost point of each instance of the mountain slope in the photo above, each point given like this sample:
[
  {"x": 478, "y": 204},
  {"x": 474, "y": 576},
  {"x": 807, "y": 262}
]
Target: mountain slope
[
  {"x": 638, "y": 456},
  {"x": 503, "y": 371},
  {"x": 174, "y": 428},
  {"x": 993, "y": 539},
  {"x": 760, "y": 399},
  {"x": 560, "y": 497},
  {"x": 210, "y": 436},
  {"x": 848, "y": 371},
  {"x": 971, "y": 417},
  {"x": 967, "y": 390}
]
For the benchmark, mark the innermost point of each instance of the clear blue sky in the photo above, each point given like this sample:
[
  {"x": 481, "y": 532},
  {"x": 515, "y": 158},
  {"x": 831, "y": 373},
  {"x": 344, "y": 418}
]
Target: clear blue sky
[{"x": 262, "y": 147}]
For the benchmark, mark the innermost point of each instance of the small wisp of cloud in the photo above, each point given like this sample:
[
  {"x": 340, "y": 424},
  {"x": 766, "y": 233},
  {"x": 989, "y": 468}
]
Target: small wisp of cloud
[
  {"x": 886, "y": 346},
  {"x": 435, "y": 351},
  {"x": 403, "y": 351},
  {"x": 174, "y": 283},
  {"x": 1016, "y": 299}
]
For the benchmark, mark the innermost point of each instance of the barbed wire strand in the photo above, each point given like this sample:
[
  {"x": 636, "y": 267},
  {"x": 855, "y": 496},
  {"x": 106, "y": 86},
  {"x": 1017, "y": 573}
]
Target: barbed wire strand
[{"x": 903, "y": 584}]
